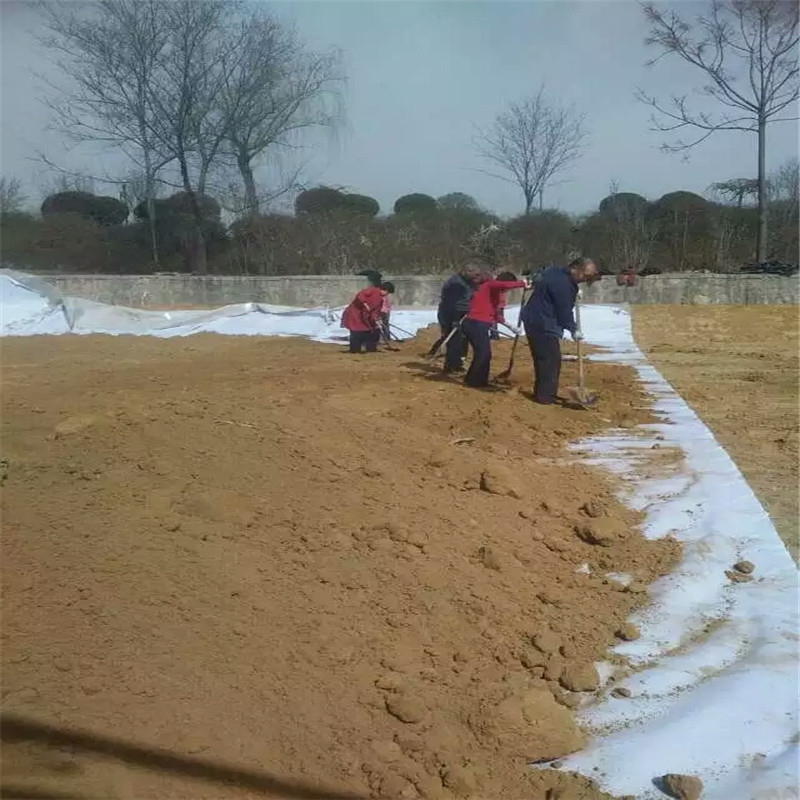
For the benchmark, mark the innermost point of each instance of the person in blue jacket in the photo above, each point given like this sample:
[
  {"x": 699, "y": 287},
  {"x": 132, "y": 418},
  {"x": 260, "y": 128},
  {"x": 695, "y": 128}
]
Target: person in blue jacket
[
  {"x": 456, "y": 294},
  {"x": 546, "y": 316}
]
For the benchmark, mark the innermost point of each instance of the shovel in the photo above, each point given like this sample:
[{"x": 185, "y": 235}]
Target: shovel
[
  {"x": 505, "y": 375},
  {"x": 579, "y": 395},
  {"x": 435, "y": 354}
]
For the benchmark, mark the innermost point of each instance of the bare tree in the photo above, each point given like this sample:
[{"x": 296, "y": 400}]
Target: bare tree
[
  {"x": 65, "y": 181},
  {"x": 11, "y": 196},
  {"x": 109, "y": 52},
  {"x": 235, "y": 197},
  {"x": 275, "y": 89},
  {"x": 784, "y": 187},
  {"x": 746, "y": 52},
  {"x": 737, "y": 189},
  {"x": 532, "y": 142},
  {"x": 188, "y": 123},
  {"x": 785, "y": 182}
]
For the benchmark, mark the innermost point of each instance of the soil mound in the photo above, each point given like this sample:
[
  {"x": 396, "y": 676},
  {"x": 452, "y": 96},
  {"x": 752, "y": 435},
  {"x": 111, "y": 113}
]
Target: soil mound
[{"x": 274, "y": 556}]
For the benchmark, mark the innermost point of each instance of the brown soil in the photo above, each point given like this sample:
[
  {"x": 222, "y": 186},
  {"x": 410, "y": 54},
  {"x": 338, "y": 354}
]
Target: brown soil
[
  {"x": 737, "y": 366},
  {"x": 261, "y": 567}
]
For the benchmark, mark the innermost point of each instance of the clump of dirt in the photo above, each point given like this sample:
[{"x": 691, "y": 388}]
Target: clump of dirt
[
  {"x": 628, "y": 632},
  {"x": 320, "y": 570},
  {"x": 682, "y": 787}
]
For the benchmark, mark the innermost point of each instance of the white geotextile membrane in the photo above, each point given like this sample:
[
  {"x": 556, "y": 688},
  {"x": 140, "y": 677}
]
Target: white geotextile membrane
[
  {"x": 716, "y": 694},
  {"x": 29, "y": 307}
]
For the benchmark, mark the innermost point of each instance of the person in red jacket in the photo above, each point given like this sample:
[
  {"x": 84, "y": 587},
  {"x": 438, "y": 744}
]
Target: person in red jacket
[
  {"x": 486, "y": 310},
  {"x": 362, "y": 317}
]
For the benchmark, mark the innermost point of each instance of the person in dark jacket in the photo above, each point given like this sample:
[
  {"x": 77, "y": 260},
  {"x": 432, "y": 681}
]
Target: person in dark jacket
[
  {"x": 485, "y": 310},
  {"x": 546, "y": 316},
  {"x": 454, "y": 300}
]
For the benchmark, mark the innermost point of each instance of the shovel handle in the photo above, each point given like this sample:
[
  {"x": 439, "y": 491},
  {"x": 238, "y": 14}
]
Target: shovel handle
[
  {"x": 579, "y": 343},
  {"x": 446, "y": 340}
]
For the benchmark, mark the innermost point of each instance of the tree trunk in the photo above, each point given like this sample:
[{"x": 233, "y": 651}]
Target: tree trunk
[
  {"x": 151, "y": 221},
  {"x": 197, "y": 246},
  {"x": 541, "y": 200},
  {"x": 761, "y": 238},
  {"x": 149, "y": 191},
  {"x": 250, "y": 194}
]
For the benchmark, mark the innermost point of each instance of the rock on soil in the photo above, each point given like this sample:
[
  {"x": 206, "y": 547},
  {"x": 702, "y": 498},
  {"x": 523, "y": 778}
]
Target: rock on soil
[
  {"x": 578, "y": 677},
  {"x": 547, "y": 642},
  {"x": 628, "y": 632},
  {"x": 682, "y": 787},
  {"x": 462, "y": 781},
  {"x": 73, "y": 425},
  {"x": 531, "y": 721},
  {"x": 406, "y": 709},
  {"x": 603, "y": 531},
  {"x": 594, "y": 508},
  {"x": 498, "y": 479}
]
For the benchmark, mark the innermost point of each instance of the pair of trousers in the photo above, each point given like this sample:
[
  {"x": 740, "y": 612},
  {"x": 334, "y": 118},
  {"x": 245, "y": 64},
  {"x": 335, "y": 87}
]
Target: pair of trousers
[
  {"x": 366, "y": 339},
  {"x": 546, "y": 353},
  {"x": 477, "y": 334}
]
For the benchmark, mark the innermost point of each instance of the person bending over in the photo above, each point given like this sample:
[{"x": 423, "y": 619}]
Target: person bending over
[{"x": 362, "y": 317}]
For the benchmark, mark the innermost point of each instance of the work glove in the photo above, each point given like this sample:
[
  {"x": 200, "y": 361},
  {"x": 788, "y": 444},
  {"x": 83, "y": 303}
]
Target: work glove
[{"x": 577, "y": 336}]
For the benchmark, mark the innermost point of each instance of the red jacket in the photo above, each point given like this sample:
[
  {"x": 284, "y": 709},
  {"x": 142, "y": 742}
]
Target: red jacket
[
  {"x": 364, "y": 310},
  {"x": 489, "y": 300}
]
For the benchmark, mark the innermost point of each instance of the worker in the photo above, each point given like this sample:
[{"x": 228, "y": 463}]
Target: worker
[
  {"x": 548, "y": 313},
  {"x": 386, "y": 311},
  {"x": 454, "y": 299},
  {"x": 375, "y": 279},
  {"x": 485, "y": 310},
  {"x": 362, "y": 317}
]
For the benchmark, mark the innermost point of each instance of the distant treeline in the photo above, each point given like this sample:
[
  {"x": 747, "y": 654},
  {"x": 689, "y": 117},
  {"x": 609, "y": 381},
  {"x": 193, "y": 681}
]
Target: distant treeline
[{"x": 335, "y": 232}]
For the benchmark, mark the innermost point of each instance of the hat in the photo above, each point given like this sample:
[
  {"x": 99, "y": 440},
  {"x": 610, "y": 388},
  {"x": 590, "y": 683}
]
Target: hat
[{"x": 372, "y": 275}]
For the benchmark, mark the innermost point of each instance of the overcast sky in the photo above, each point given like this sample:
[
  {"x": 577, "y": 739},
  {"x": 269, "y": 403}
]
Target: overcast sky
[{"x": 422, "y": 75}]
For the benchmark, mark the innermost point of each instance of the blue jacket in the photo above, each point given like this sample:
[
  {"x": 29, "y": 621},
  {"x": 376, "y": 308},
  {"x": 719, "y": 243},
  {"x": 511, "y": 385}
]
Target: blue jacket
[
  {"x": 550, "y": 308},
  {"x": 456, "y": 294}
]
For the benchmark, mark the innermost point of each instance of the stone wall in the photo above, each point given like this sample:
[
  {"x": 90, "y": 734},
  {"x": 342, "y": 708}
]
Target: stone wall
[{"x": 412, "y": 291}]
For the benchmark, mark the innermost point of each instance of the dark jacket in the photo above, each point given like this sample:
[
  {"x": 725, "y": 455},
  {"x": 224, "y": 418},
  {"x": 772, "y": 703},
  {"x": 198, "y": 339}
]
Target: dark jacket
[
  {"x": 550, "y": 308},
  {"x": 455, "y": 297}
]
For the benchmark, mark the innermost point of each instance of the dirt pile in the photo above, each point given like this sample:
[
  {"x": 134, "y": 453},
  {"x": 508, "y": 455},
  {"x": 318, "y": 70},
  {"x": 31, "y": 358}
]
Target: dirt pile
[{"x": 272, "y": 555}]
